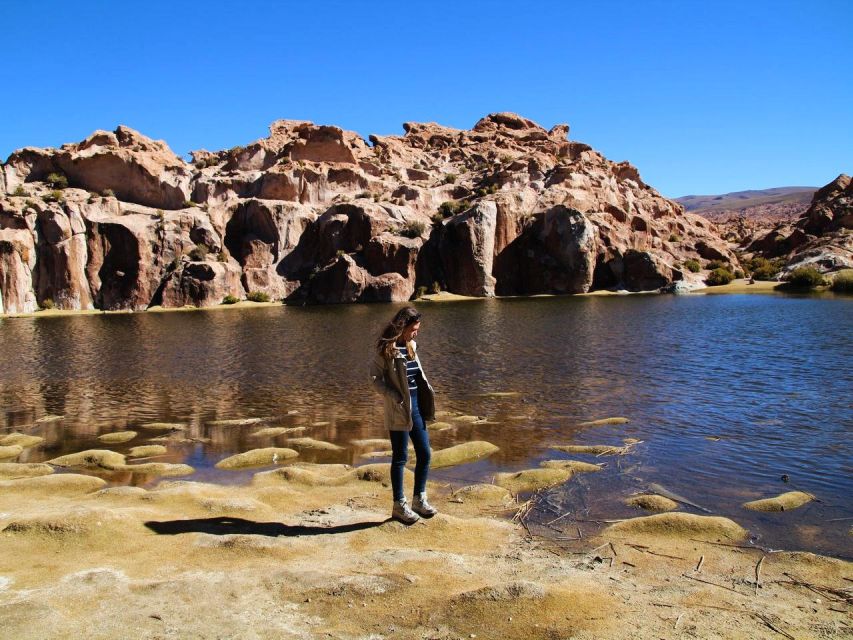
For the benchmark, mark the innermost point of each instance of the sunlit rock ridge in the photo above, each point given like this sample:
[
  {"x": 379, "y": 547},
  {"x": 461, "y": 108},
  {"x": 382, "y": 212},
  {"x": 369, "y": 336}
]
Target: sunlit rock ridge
[{"x": 318, "y": 214}]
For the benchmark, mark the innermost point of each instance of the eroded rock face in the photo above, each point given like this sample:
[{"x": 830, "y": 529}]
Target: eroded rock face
[
  {"x": 316, "y": 213},
  {"x": 820, "y": 238}
]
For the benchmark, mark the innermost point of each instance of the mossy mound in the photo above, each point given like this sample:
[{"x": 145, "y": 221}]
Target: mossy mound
[
  {"x": 651, "y": 502},
  {"x": 782, "y": 502},
  {"x": 58, "y": 484},
  {"x": 483, "y": 493},
  {"x": 12, "y": 470},
  {"x": 372, "y": 443},
  {"x": 465, "y": 418},
  {"x": 165, "y": 426},
  {"x": 77, "y": 521},
  {"x": 147, "y": 450},
  {"x": 592, "y": 449},
  {"x": 311, "y": 443},
  {"x": 163, "y": 469},
  {"x": 11, "y": 451},
  {"x": 380, "y": 473},
  {"x": 575, "y": 465},
  {"x": 91, "y": 459},
  {"x": 446, "y": 414},
  {"x": 681, "y": 525},
  {"x": 439, "y": 426},
  {"x": 117, "y": 437},
  {"x": 235, "y": 422},
  {"x": 257, "y": 458},
  {"x": 272, "y": 432},
  {"x": 603, "y": 421},
  {"x": 532, "y": 479},
  {"x": 20, "y": 439},
  {"x": 462, "y": 453},
  {"x": 311, "y": 476}
]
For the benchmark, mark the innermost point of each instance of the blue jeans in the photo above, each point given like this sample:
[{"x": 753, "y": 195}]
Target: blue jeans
[{"x": 399, "y": 447}]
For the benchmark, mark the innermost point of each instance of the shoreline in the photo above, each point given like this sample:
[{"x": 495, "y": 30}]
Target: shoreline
[
  {"x": 311, "y": 552},
  {"x": 735, "y": 287}
]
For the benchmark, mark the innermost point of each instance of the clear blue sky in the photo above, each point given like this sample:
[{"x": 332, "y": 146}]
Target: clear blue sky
[{"x": 704, "y": 97}]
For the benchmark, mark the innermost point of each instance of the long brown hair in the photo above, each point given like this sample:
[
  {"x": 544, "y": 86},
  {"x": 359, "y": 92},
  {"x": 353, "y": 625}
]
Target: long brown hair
[{"x": 388, "y": 338}]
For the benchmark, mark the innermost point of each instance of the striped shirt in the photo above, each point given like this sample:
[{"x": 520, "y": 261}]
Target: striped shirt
[{"x": 412, "y": 368}]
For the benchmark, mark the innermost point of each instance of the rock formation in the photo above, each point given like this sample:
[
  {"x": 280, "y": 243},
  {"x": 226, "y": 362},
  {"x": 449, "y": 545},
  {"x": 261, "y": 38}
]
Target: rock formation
[
  {"x": 822, "y": 237},
  {"x": 315, "y": 213}
]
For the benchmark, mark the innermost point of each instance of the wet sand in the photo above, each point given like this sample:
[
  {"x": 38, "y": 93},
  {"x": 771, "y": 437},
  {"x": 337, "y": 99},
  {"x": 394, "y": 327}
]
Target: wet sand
[{"x": 311, "y": 553}]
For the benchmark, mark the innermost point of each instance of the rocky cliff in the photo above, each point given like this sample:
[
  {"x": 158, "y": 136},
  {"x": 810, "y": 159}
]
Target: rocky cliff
[
  {"x": 822, "y": 237},
  {"x": 315, "y": 213}
]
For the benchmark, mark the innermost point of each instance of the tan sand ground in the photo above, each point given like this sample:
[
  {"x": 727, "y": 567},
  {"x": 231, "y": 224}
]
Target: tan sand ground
[{"x": 312, "y": 555}]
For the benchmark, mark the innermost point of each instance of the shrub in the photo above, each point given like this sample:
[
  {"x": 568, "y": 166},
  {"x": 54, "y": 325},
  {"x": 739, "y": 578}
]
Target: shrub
[
  {"x": 258, "y": 296},
  {"x": 766, "y": 272},
  {"x": 222, "y": 256},
  {"x": 20, "y": 191},
  {"x": 739, "y": 274},
  {"x": 57, "y": 181},
  {"x": 108, "y": 193},
  {"x": 189, "y": 203},
  {"x": 339, "y": 253},
  {"x": 161, "y": 215},
  {"x": 55, "y": 196},
  {"x": 451, "y": 208},
  {"x": 363, "y": 194},
  {"x": 420, "y": 292},
  {"x": 413, "y": 229},
  {"x": 719, "y": 276},
  {"x": 198, "y": 253},
  {"x": 805, "y": 277},
  {"x": 435, "y": 288},
  {"x": 843, "y": 281},
  {"x": 376, "y": 197},
  {"x": 229, "y": 299},
  {"x": 674, "y": 237},
  {"x": 450, "y": 178},
  {"x": 716, "y": 264},
  {"x": 692, "y": 265},
  {"x": 47, "y": 303}
]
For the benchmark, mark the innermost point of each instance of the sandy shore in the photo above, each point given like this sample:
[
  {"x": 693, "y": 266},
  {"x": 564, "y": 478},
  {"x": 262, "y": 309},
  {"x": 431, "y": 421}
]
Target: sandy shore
[{"x": 310, "y": 553}]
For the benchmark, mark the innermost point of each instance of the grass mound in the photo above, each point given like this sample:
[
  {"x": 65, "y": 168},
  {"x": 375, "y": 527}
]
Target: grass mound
[
  {"x": 20, "y": 439},
  {"x": 163, "y": 469},
  {"x": 651, "y": 502},
  {"x": 592, "y": 449},
  {"x": 146, "y": 451},
  {"x": 10, "y": 451},
  {"x": 603, "y": 421},
  {"x": 682, "y": 525},
  {"x": 12, "y": 470},
  {"x": 485, "y": 493},
  {"x": 59, "y": 484},
  {"x": 117, "y": 437},
  {"x": 532, "y": 479},
  {"x": 91, "y": 459},
  {"x": 783, "y": 502},
  {"x": 272, "y": 432},
  {"x": 311, "y": 443},
  {"x": 165, "y": 426},
  {"x": 575, "y": 465},
  {"x": 257, "y": 458},
  {"x": 462, "y": 453}
]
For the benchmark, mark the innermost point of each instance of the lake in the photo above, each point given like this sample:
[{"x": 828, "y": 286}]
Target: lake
[{"x": 726, "y": 394}]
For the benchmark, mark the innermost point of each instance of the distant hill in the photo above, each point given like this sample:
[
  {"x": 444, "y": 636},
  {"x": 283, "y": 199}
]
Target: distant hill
[{"x": 779, "y": 204}]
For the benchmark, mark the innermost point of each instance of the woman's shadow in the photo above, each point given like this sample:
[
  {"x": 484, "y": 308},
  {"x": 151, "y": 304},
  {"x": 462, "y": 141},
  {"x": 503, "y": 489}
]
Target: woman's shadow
[{"x": 223, "y": 526}]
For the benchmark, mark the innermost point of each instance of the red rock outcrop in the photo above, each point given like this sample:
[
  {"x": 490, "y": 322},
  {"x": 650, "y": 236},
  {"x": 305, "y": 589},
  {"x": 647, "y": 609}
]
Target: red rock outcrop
[
  {"x": 317, "y": 213},
  {"x": 820, "y": 238}
]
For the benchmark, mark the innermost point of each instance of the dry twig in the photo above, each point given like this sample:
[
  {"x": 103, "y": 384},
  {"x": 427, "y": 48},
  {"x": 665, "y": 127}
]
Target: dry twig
[{"x": 722, "y": 586}]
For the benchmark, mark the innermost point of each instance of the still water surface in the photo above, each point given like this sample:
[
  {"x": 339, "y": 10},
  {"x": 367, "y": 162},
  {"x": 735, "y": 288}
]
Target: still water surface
[{"x": 726, "y": 393}]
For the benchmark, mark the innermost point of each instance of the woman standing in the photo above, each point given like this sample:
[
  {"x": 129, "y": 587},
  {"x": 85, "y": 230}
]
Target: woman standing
[{"x": 397, "y": 374}]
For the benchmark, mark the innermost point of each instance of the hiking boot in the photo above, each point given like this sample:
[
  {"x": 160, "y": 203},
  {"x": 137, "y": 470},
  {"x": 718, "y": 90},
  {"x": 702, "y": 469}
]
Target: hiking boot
[
  {"x": 403, "y": 513},
  {"x": 422, "y": 507}
]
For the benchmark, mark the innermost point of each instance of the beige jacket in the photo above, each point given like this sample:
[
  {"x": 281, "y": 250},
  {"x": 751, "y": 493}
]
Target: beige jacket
[{"x": 389, "y": 379}]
